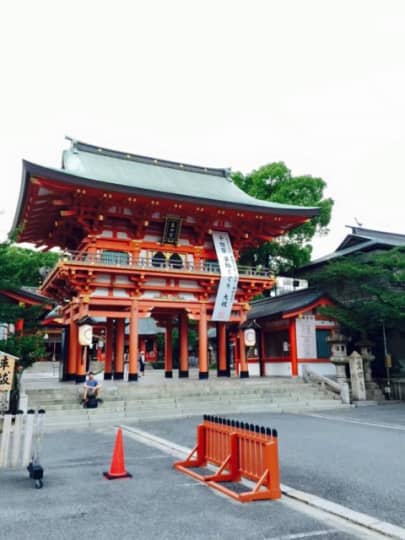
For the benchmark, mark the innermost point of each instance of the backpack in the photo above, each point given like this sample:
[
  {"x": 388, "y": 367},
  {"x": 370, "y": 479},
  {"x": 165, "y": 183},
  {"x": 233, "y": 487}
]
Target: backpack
[{"x": 92, "y": 403}]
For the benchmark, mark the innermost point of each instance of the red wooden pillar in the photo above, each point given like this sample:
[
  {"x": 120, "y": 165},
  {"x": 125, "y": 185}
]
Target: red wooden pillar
[
  {"x": 168, "y": 351},
  {"x": 108, "y": 349},
  {"x": 203, "y": 343},
  {"x": 73, "y": 340},
  {"x": 183, "y": 369},
  {"x": 221, "y": 350},
  {"x": 81, "y": 361},
  {"x": 244, "y": 370},
  {"x": 119, "y": 349},
  {"x": 293, "y": 347},
  {"x": 133, "y": 342}
]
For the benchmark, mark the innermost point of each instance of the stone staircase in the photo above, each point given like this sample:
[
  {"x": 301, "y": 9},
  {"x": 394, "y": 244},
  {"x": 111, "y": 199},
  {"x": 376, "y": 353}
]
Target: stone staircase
[{"x": 162, "y": 398}]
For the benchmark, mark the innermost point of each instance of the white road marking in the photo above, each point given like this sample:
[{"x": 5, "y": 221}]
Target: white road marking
[
  {"x": 350, "y": 420},
  {"x": 337, "y": 516},
  {"x": 303, "y": 535}
]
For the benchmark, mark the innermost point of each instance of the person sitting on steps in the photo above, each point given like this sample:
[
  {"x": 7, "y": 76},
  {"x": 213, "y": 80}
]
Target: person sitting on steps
[{"x": 91, "y": 387}]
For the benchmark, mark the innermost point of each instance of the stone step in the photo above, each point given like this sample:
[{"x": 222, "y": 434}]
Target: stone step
[
  {"x": 94, "y": 419},
  {"x": 185, "y": 401}
]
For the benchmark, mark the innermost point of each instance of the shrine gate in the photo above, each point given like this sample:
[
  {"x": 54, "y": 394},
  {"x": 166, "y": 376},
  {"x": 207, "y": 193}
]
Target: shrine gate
[{"x": 145, "y": 237}]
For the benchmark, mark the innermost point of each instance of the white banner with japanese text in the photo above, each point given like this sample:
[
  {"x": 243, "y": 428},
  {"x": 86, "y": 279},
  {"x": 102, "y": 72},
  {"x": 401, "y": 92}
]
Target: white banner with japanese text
[{"x": 228, "y": 283}]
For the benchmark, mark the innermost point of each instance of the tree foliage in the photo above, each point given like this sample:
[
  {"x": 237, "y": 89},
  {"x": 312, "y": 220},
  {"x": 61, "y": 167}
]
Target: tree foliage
[
  {"x": 274, "y": 182},
  {"x": 369, "y": 287},
  {"x": 28, "y": 349},
  {"x": 21, "y": 267}
]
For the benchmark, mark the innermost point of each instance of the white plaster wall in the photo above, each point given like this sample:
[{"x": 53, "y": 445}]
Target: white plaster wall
[
  {"x": 278, "y": 369},
  {"x": 254, "y": 369},
  {"x": 327, "y": 368}
]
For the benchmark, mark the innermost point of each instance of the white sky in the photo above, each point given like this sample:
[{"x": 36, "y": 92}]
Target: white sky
[{"x": 318, "y": 84}]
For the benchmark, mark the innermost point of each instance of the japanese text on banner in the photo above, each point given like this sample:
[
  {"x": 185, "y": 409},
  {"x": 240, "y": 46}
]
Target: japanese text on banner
[{"x": 228, "y": 283}]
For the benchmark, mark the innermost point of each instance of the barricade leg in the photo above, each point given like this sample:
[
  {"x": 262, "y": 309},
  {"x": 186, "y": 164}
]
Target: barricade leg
[{"x": 200, "y": 459}]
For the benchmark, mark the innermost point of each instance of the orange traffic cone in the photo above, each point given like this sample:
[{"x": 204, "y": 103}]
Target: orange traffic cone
[{"x": 117, "y": 468}]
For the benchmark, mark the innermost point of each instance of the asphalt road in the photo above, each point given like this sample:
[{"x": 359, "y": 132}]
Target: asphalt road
[
  {"x": 358, "y": 465},
  {"x": 354, "y": 457}
]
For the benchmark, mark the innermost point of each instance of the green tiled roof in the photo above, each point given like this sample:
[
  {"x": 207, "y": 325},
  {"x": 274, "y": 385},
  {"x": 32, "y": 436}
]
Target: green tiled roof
[{"x": 142, "y": 173}]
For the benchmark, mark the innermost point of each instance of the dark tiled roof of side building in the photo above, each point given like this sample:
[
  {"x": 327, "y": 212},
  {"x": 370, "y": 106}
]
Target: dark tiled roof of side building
[{"x": 283, "y": 304}]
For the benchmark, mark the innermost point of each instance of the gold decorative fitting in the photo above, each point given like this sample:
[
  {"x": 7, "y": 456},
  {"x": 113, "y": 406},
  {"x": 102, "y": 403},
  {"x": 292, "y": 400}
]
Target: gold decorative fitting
[
  {"x": 146, "y": 223},
  {"x": 100, "y": 217}
]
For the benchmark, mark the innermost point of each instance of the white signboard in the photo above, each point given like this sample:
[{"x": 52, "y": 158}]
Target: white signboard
[
  {"x": 229, "y": 277},
  {"x": 306, "y": 336}
]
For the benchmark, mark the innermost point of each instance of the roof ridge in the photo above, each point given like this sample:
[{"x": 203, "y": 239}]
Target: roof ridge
[{"x": 117, "y": 154}]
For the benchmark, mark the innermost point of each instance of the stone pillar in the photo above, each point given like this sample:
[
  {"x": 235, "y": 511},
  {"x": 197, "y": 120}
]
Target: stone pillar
[
  {"x": 357, "y": 377},
  {"x": 119, "y": 349},
  {"x": 293, "y": 347},
  {"x": 133, "y": 342},
  {"x": 365, "y": 347},
  {"x": 244, "y": 370},
  {"x": 169, "y": 351},
  {"x": 203, "y": 343},
  {"x": 108, "y": 349},
  {"x": 183, "y": 368},
  {"x": 221, "y": 348}
]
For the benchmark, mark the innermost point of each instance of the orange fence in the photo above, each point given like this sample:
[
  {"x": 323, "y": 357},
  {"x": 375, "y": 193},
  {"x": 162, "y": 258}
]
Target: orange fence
[{"x": 240, "y": 451}]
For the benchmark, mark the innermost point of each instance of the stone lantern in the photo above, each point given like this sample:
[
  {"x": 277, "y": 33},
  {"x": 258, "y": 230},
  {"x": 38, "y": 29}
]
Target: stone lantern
[
  {"x": 338, "y": 354},
  {"x": 365, "y": 347}
]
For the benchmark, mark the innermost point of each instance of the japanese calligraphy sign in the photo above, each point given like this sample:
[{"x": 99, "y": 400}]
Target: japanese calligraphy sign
[
  {"x": 6, "y": 372},
  {"x": 228, "y": 283},
  {"x": 172, "y": 230}
]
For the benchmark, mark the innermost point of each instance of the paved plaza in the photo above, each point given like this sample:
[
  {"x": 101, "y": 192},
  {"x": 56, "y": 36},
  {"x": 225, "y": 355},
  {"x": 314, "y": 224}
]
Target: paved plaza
[{"x": 353, "y": 458}]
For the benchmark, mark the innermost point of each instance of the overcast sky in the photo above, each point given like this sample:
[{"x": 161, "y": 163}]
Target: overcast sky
[{"x": 318, "y": 84}]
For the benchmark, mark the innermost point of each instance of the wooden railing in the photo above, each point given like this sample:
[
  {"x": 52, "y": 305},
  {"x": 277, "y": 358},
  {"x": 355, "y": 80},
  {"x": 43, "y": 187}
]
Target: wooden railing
[{"x": 125, "y": 260}]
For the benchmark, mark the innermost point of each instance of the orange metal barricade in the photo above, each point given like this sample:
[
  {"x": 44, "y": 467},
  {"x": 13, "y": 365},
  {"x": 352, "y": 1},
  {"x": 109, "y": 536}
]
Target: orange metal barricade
[{"x": 239, "y": 450}]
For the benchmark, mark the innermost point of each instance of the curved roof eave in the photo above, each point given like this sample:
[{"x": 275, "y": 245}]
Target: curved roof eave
[{"x": 32, "y": 169}]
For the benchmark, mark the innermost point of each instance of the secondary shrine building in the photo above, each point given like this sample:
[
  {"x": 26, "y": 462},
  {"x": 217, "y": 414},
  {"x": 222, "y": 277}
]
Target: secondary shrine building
[{"x": 145, "y": 237}]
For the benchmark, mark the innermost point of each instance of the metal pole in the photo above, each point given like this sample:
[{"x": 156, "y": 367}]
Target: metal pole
[{"x": 387, "y": 362}]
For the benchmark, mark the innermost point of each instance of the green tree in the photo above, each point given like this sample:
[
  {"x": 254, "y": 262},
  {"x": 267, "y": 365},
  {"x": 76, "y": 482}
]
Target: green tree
[
  {"x": 275, "y": 183},
  {"x": 22, "y": 267},
  {"x": 369, "y": 288}
]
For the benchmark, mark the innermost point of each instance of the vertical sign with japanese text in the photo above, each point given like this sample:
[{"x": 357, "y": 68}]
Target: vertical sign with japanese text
[
  {"x": 6, "y": 372},
  {"x": 306, "y": 337},
  {"x": 229, "y": 277}
]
